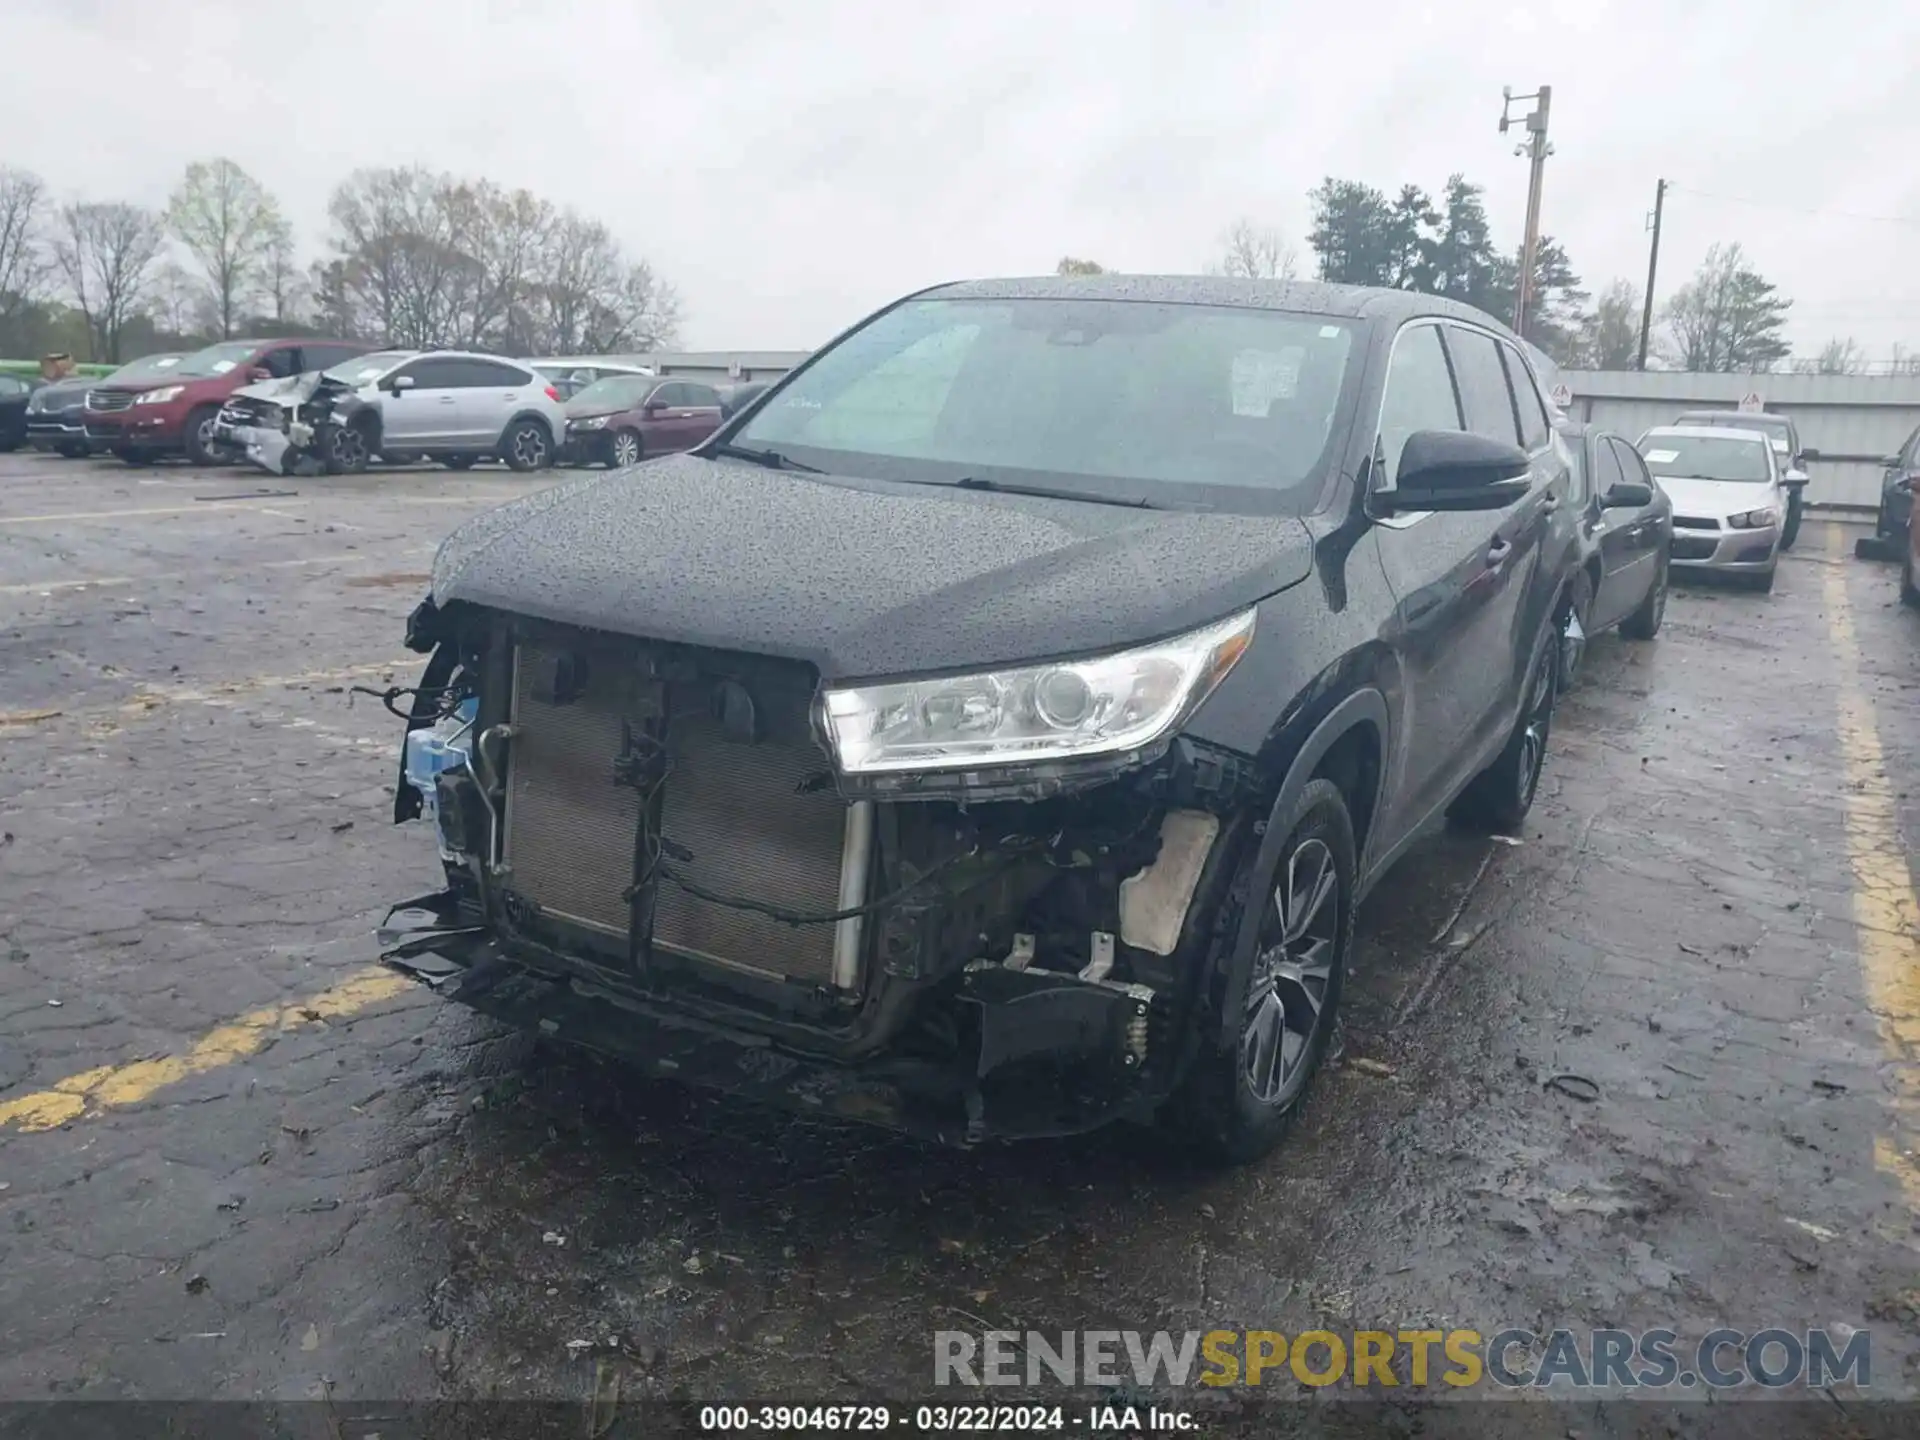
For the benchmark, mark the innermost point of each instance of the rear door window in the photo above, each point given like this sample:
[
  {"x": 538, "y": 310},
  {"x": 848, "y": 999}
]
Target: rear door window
[
  {"x": 492, "y": 374},
  {"x": 702, "y": 396}
]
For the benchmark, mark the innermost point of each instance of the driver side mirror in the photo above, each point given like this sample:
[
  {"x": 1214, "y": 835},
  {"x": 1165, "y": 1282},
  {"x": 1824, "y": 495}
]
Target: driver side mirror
[
  {"x": 1454, "y": 470},
  {"x": 653, "y": 407},
  {"x": 1627, "y": 495},
  {"x": 399, "y": 383}
]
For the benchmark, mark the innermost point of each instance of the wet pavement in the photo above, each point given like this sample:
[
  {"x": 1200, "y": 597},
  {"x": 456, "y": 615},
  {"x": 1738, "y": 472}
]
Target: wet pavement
[{"x": 235, "y": 1162}]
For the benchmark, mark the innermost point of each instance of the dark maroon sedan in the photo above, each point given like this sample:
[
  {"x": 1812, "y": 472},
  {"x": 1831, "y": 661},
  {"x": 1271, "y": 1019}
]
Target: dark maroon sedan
[{"x": 625, "y": 419}]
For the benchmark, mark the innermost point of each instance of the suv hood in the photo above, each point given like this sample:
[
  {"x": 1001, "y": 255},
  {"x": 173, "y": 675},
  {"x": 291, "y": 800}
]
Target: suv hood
[
  {"x": 860, "y": 578},
  {"x": 1714, "y": 498}
]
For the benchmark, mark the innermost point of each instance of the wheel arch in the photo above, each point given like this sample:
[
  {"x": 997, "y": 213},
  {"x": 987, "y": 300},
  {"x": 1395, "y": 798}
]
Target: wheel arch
[
  {"x": 533, "y": 415},
  {"x": 1350, "y": 742}
]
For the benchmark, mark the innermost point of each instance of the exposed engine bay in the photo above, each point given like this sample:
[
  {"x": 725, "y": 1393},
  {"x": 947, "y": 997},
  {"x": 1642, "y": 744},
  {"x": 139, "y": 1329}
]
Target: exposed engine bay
[
  {"x": 283, "y": 426},
  {"x": 648, "y": 850}
]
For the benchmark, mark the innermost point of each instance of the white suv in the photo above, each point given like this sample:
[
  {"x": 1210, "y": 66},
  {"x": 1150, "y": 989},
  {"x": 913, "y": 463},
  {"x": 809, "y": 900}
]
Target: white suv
[{"x": 453, "y": 406}]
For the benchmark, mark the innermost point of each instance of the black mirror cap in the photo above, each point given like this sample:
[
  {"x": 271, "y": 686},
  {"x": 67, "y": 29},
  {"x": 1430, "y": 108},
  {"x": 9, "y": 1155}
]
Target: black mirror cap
[
  {"x": 1455, "y": 470},
  {"x": 1628, "y": 495}
]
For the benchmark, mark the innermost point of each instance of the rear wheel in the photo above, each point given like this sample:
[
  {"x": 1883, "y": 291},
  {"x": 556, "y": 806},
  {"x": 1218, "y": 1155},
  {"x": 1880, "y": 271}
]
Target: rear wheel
[
  {"x": 1644, "y": 623},
  {"x": 199, "y": 436},
  {"x": 457, "y": 462},
  {"x": 1239, "y": 1103},
  {"x": 1499, "y": 797},
  {"x": 526, "y": 446}
]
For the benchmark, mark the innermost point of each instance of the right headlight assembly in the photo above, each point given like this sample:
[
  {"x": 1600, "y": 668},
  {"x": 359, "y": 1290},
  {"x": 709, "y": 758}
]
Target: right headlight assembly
[{"x": 1066, "y": 710}]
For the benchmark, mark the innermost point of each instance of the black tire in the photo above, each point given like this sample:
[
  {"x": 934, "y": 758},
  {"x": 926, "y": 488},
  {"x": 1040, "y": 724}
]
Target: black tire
[
  {"x": 71, "y": 451},
  {"x": 526, "y": 445},
  {"x": 1764, "y": 581},
  {"x": 1790, "y": 532},
  {"x": 458, "y": 462},
  {"x": 1644, "y": 623},
  {"x": 624, "y": 448},
  {"x": 1909, "y": 583},
  {"x": 198, "y": 435},
  {"x": 347, "y": 449},
  {"x": 1499, "y": 797},
  {"x": 1237, "y": 1105},
  {"x": 136, "y": 457}
]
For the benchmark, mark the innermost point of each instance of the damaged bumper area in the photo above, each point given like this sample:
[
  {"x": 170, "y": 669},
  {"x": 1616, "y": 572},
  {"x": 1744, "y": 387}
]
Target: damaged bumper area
[
  {"x": 649, "y": 852},
  {"x": 283, "y": 426}
]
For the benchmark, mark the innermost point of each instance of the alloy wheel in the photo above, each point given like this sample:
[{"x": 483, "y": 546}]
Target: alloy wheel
[
  {"x": 530, "y": 447},
  {"x": 1533, "y": 737},
  {"x": 1291, "y": 975},
  {"x": 349, "y": 447},
  {"x": 626, "y": 450}
]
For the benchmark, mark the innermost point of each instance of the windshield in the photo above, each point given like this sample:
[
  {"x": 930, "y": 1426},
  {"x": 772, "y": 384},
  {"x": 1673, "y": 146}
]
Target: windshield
[
  {"x": 216, "y": 359},
  {"x": 1774, "y": 427},
  {"x": 1706, "y": 457},
  {"x": 148, "y": 366},
  {"x": 1110, "y": 397},
  {"x": 616, "y": 392},
  {"x": 362, "y": 368}
]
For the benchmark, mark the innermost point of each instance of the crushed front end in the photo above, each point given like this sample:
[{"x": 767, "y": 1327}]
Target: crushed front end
[
  {"x": 283, "y": 426},
  {"x": 659, "y": 851}
]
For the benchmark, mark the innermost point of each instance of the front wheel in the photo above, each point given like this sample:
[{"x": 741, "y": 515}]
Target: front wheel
[
  {"x": 347, "y": 450},
  {"x": 199, "y": 436},
  {"x": 1238, "y": 1104},
  {"x": 1499, "y": 797},
  {"x": 526, "y": 446},
  {"x": 624, "y": 450},
  {"x": 1791, "y": 530}
]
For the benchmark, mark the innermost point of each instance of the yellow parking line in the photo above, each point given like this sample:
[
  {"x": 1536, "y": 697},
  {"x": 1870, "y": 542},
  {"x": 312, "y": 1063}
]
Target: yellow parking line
[
  {"x": 111, "y": 1087},
  {"x": 1885, "y": 910}
]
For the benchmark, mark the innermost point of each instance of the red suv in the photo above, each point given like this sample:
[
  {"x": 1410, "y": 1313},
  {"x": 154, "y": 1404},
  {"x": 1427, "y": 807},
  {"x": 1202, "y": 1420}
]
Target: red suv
[{"x": 173, "y": 414}]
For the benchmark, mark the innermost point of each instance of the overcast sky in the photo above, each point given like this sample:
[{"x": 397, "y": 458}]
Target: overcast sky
[{"x": 789, "y": 166}]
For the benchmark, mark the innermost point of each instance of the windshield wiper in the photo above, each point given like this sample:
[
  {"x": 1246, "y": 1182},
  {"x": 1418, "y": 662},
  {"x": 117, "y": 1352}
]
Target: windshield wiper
[
  {"x": 1045, "y": 492},
  {"x": 772, "y": 459}
]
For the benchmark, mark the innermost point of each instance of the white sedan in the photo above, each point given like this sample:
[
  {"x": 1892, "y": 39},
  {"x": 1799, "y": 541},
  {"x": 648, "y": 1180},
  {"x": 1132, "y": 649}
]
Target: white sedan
[{"x": 1729, "y": 499}]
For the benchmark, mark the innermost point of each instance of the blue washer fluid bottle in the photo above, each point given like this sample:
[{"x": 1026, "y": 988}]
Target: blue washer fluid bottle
[{"x": 443, "y": 745}]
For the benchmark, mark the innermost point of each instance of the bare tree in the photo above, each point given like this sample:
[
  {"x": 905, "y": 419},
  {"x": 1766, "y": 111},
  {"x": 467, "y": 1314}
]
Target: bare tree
[
  {"x": 1840, "y": 356},
  {"x": 177, "y": 301},
  {"x": 24, "y": 263},
  {"x": 1727, "y": 319},
  {"x": 1255, "y": 252},
  {"x": 1609, "y": 336},
  {"x": 284, "y": 290},
  {"x": 1070, "y": 266},
  {"x": 590, "y": 298},
  {"x": 227, "y": 221},
  {"x": 1903, "y": 361},
  {"x": 106, "y": 253}
]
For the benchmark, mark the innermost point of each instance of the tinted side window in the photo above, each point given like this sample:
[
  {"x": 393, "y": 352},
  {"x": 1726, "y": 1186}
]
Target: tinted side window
[
  {"x": 1534, "y": 426},
  {"x": 281, "y": 363},
  {"x": 701, "y": 395},
  {"x": 1419, "y": 393},
  {"x": 433, "y": 374},
  {"x": 1483, "y": 385},
  {"x": 494, "y": 374},
  {"x": 674, "y": 392}
]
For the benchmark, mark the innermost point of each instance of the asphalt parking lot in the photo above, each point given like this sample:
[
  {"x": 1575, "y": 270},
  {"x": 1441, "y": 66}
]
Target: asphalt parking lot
[{"x": 236, "y": 1161}]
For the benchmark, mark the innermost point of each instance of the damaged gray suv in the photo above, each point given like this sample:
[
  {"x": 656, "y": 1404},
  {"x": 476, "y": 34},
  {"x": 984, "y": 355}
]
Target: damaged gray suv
[{"x": 991, "y": 732}]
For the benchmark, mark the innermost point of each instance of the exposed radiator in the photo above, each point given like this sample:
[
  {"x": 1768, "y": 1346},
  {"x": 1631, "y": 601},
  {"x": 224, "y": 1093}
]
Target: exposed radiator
[{"x": 737, "y": 807}]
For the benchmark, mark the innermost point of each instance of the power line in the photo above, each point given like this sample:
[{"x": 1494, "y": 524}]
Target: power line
[{"x": 1796, "y": 209}]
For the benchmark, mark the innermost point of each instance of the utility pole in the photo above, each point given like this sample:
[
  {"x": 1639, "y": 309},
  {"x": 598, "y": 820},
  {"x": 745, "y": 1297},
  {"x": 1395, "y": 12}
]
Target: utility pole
[
  {"x": 1653, "y": 268},
  {"x": 1536, "y": 149}
]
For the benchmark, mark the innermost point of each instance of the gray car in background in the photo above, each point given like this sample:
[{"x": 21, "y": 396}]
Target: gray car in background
[{"x": 1784, "y": 436}]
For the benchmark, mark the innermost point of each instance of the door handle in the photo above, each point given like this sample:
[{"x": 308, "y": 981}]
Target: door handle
[
  {"x": 1498, "y": 552},
  {"x": 1550, "y": 502}
]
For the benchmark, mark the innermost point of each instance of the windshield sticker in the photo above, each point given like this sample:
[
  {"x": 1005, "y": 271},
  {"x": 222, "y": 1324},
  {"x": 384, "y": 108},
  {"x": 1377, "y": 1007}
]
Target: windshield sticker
[{"x": 1662, "y": 457}]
